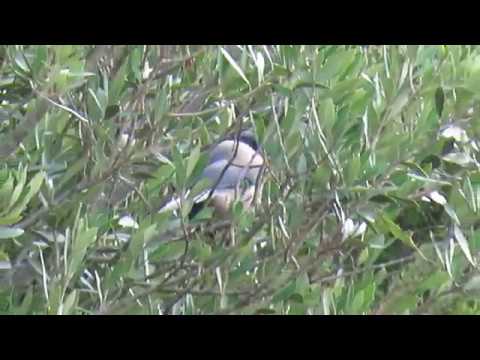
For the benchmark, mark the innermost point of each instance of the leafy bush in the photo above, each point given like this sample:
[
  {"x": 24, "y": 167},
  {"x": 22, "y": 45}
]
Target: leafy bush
[{"x": 370, "y": 200}]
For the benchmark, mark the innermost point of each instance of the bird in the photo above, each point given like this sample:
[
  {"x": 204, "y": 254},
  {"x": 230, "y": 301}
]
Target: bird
[{"x": 233, "y": 172}]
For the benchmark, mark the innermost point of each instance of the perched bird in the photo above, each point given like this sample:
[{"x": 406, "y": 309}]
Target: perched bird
[{"x": 233, "y": 172}]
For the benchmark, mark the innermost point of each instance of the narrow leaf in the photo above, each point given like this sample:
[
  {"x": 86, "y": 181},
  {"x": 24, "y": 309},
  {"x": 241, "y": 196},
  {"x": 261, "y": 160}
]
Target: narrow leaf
[
  {"x": 8, "y": 233},
  {"x": 235, "y": 65},
  {"x": 463, "y": 243}
]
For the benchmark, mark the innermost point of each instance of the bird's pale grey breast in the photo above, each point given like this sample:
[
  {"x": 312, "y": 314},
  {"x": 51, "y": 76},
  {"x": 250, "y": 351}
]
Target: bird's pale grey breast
[
  {"x": 233, "y": 170},
  {"x": 246, "y": 164}
]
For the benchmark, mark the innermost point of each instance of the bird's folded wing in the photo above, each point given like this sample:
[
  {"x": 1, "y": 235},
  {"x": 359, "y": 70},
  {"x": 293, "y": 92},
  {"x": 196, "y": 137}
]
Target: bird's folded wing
[
  {"x": 172, "y": 205},
  {"x": 232, "y": 177},
  {"x": 245, "y": 166},
  {"x": 244, "y": 154}
]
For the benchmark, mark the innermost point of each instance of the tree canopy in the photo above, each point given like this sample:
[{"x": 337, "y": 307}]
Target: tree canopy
[{"x": 370, "y": 199}]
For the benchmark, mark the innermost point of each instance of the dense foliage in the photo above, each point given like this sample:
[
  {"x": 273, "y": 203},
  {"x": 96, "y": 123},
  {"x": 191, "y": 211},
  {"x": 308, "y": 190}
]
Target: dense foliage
[{"x": 370, "y": 199}]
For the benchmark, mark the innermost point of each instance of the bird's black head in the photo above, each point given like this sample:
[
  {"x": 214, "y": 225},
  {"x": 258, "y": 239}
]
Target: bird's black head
[{"x": 248, "y": 137}]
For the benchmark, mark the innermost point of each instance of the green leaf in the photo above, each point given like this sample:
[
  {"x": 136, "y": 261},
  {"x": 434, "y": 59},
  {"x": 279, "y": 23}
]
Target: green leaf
[
  {"x": 168, "y": 251},
  {"x": 72, "y": 170},
  {"x": 387, "y": 224},
  {"x": 6, "y": 191},
  {"x": 32, "y": 189},
  {"x": 260, "y": 64},
  {"x": 280, "y": 71},
  {"x": 434, "y": 281},
  {"x": 97, "y": 112},
  {"x": 118, "y": 84},
  {"x": 451, "y": 213},
  {"x": 199, "y": 250},
  {"x": 428, "y": 180},
  {"x": 265, "y": 311},
  {"x": 285, "y": 292},
  {"x": 135, "y": 61},
  {"x": 346, "y": 88},
  {"x": 63, "y": 52},
  {"x": 326, "y": 113},
  {"x": 234, "y": 64},
  {"x": 8, "y": 233},
  {"x": 463, "y": 243},
  {"x": 70, "y": 303},
  {"x": 193, "y": 159},
  {"x": 412, "y": 165},
  {"x": 458, "y": 158},
  {"x": 202, "y": 185},
  {"x": 357, "y": 302},
  {"x": 335, "y": 65},
  {"x": 439, "y": 101},
  {"x": 83, "y": 238},
  {"x": 26, "y": 304},
  {"x": 403, "y": 304},
  {"x": 140, "y": 239},
  {"x": 40, "y": 59},
  {"x": 473, "y": 284},
  {"x": 161, "y": 175},
  {"x": 161, "y": 104},
  {"x": 399, "y": 103},
  {"x": 21, "y": 180},
  {"x": 180, "y": 169}
]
